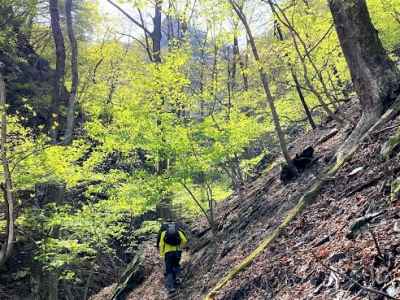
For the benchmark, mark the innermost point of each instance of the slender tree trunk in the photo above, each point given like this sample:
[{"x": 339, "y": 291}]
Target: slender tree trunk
[
  {"x": 140, "y": 24},
  {"x": 146, "y": 37},
  {"x": 8, "y": 245},
  {"x": 312, "y": 88},
  {"x": 297, "y": 84},
  {"x": 234, "y": 172},
  {"x": 341, "y": 84},
  {"x": 231, "y": 73},
  {"x": 88, "y": 283},
  {"x": 162, "y": 163},
  {"x": 214, "y": 79},
  {"x": 307, "y": 52},
  {"x": 238, "y": 58},
  {"x": 203, "y": 64},
  {"x": 244, "y": 67},
  {"x": 156, "y": 35},
  {"x": 235, "y": 60},
  {"x": 58, "y": 84},
  {"x": 238, "y": 171},
  {"x": 335, "y": 89},
  {"x": 74, "y": 71},
  {"x": 396, "y": 16},
  {"x": 230, "y": 85},
  {"x": 53, "y": 283},
  {"x": 170, "y": 24},
  {"x": 211, "y": 202},
  {"x": 209, "y": 216},
  {"x": 201, "y": 91},
  {"x": 265, "y": 83},
  {"x": 303, "y": 101},
  {"x": 293, "y": 33}
]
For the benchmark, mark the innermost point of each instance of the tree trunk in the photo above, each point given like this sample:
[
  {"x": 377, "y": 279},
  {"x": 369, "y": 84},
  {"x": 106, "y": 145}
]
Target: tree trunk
[
  {"x": 303, "y": 101},
  {"x": 53, "y": 282},
  {"x": 8, "y": 244},
  {"x": 162, "y": 163},
  {"x": 74, "y": 71},
  {"x": 235, "y": 60},
  {"x": 146, "y": 37},
  {"x": 156, "y": 34},
  {"x": 294, "y": 35},
  {"x": 209, "y": 215},
  {"x": 265, "y": 83},
  {"x": 374, "y": 75},
  {"x": 203, "y": 65},
  {"x": 311, "y": 86},
  {"x": 214, "y": 80},
  {"x": 238, "y": 58},
  {"x": 140, "y": 24},
  {"x": 230, "y": 84},
  {"x": 60, "y": 67},
  {"x": 296, "y": 82}
]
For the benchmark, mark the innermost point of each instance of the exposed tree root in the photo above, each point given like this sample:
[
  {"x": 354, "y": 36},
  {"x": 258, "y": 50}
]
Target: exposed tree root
[
  {"x": 367, "y": 125},
  {"x": 342, "y": 156},
  {"x": 328, "y": 136}
]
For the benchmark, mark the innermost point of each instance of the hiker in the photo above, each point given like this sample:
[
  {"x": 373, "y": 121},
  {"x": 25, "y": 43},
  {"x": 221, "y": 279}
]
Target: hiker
[{"x": 171, "y": 239}]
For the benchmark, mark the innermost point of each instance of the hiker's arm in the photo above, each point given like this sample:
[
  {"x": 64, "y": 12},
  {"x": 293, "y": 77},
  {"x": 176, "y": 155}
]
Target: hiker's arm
[
  {"x": 183, "y": 237},
  {"x": 162, "y": 244},
  {"x": 159, "y": 237}
]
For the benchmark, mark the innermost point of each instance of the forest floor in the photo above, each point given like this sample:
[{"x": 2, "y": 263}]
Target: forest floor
[{"x": 318, "y": 256}]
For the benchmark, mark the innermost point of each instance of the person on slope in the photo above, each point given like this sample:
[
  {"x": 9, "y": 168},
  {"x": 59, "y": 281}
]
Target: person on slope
[{"x": 171, "y": 239}]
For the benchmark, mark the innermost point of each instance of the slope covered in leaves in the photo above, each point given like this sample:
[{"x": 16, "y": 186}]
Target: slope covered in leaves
[
  {"x": 295, "y": 266},
  {"x": 315, "y": 257},
  {"x": 318, "y": 254}
]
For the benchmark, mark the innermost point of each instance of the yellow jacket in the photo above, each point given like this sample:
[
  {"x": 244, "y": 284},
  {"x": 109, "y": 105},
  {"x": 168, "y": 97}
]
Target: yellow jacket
[{"x": 165, "y": 248}]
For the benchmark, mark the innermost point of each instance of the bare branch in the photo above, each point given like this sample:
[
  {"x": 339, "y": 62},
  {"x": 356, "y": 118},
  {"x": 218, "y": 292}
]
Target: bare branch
[
  {"x": 378, "y": 249},
  {"x": 327, "y": 33},
  {"x": 133, "y": 38},
  {"x": 7, "y": 247},
  {"x": 371, "y": 290},
  {"x": 146, "y": 38},
  {"x": 132, "y": 19},
  {"x": 196, "y": 201}
]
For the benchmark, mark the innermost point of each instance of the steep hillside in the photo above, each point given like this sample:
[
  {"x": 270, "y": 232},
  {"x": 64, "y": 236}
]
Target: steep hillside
[
  {"x": 318, "y": 253},
  {"x": 258, "y": 125}
]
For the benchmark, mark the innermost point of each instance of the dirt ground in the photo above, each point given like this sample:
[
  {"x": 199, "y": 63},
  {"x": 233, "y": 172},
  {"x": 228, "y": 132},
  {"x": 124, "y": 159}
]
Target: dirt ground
[{"x": 317, "y": 256}]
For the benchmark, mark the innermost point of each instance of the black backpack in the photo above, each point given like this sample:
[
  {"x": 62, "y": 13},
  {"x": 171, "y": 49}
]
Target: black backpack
[{"x": 172, "y": 235}]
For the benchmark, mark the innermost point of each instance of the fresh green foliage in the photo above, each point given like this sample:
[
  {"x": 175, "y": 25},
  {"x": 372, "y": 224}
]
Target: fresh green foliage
[{"x": 193, "y": 126}]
